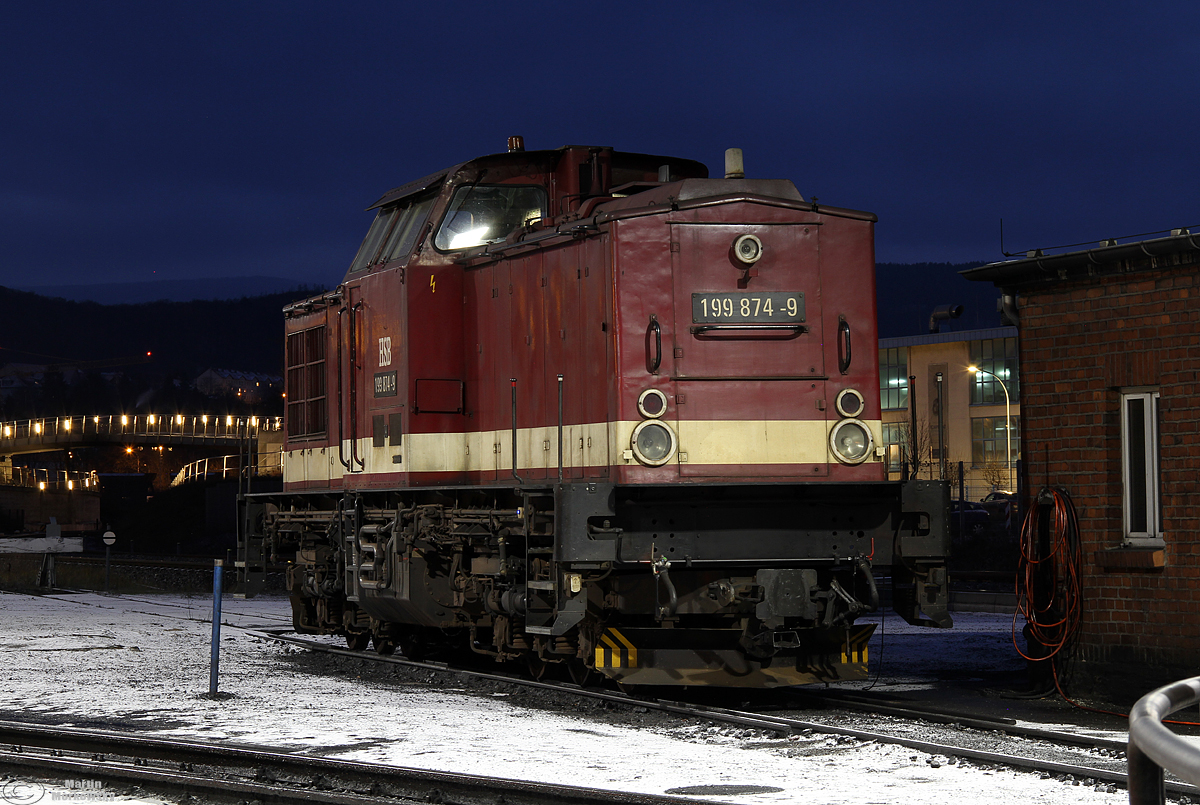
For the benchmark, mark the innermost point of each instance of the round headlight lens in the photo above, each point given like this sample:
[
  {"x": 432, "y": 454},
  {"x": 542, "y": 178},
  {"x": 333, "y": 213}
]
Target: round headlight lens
[
  {"x": 851, "y": 441},
  {"x": 653, "y": 443},
  {"x": 850, "y": 402},
  {"x": 747, "y": 249},
  {"x": 652, "y": 403}
]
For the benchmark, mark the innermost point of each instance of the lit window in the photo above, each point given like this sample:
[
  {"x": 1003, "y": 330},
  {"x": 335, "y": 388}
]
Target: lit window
[
  {"x": 1139, "y": 467},
  {"x": 990, "y": 443},
  {"x": 998, "y": 356},
  {"x": 893, "y": 378},
  {"x": 895, "y": 433}
]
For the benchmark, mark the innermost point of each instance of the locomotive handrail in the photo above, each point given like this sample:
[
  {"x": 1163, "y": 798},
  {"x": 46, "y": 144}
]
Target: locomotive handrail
[
  {"x": 1153, "y": 747},
  {"x": 341, "y": 416},
  {"x": 843, "y": 339},
  {"x": 354, "y": 367},
  {"x": 654, "y": 327},
  {"x": 787, "y": 331}
]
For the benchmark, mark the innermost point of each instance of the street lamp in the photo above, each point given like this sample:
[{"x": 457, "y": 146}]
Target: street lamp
[{"x": 1007, "y": 422}]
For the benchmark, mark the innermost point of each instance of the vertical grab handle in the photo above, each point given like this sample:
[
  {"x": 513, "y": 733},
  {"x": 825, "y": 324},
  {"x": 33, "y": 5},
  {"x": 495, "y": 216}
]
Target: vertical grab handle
[
  {"x": 354, "y": 367},
  {"x": 340, "y": 413},
  {"x": 843, "y": 341},
  {"x": 652, "y": 363}
]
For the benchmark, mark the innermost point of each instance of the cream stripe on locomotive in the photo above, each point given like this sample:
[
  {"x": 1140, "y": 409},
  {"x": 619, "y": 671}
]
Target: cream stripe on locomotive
[{"x": 731, "y": 442}]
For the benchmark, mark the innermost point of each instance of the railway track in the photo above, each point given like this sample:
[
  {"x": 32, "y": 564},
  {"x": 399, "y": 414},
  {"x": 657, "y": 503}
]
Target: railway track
[
  {"x": 943, "y": 736},
  {"x": 222, "y": 772}
]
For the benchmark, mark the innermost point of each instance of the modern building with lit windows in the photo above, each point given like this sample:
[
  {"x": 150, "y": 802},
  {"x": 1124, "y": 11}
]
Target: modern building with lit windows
[
  {"x": 935, "y": 407},
  {"x": 1109, "y": 355}
]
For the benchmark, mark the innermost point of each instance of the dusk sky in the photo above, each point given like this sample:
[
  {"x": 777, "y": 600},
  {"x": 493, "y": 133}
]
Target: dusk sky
[{"x": 153, "y": 141}]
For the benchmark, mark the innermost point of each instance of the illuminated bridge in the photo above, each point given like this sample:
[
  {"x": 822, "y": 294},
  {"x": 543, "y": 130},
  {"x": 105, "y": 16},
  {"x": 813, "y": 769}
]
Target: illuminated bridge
[
  {"x": 239, "y": 434},
  {"x": 64, "y": 432}
]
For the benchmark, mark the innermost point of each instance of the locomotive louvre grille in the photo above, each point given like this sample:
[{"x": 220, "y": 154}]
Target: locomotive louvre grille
[{"x": 306, "y": 398}]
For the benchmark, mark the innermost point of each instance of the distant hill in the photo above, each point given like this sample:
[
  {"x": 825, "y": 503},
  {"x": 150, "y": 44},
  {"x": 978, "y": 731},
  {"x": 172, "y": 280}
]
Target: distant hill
[
  {"x": 907, "y": 293},
  {"x": 184, "y": 338},
  {"x": 246, "y": 333},
  {"x": 117, "y": 293}
]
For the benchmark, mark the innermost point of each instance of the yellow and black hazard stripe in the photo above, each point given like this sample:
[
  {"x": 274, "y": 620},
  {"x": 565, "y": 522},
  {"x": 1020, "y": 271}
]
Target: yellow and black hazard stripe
[
  {"x": 615, "y": 651},
  {"x": 854, "y": 650}
]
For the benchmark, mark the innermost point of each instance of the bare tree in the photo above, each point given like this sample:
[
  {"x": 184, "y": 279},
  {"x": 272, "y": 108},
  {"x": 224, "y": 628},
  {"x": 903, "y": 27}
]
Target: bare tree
[
  {"x": 916, "y": 446},
  {"x": 995, "y": 474},
  {"x": 955, "y": 472}
]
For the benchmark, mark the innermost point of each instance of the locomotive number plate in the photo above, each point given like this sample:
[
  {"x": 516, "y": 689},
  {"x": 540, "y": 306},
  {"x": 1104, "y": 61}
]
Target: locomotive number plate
[{"x": 771, "y": 307}]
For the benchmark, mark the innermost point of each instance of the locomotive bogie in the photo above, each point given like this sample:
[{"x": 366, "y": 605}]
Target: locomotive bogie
[{"x": 596, "y": 409}]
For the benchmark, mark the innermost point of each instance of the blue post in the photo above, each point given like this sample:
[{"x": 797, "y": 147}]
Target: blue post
[{"x": 216, "y": 627}]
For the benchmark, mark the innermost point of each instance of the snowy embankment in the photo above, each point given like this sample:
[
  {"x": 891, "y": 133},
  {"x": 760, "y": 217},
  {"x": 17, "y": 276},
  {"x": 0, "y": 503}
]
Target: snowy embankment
[{"x": 142, "y": 664}]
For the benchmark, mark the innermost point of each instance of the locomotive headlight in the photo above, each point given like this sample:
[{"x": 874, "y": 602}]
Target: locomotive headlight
[
  {"x": 851, "y": 441},
  {"x": 850, "y": 402},
  {"x": 747, "y": 249},
  {"x": 653, "y": 443},
  {"x": 652, "y": 403}
]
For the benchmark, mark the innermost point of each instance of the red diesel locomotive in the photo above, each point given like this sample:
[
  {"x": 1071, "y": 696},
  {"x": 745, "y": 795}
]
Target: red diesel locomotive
[{"x": 595, "y": 408}]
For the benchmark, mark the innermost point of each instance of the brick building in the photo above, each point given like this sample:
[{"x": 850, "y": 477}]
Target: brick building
[{"x": 1110, "y": 384}]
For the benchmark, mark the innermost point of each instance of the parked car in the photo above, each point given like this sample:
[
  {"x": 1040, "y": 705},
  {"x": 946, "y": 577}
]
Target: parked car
[
  {"x": 968, "y": 518},
  {"x": 1000, "y": 504}
]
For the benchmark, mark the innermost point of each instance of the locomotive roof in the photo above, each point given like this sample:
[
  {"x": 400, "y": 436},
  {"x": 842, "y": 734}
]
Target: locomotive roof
[{"x": 546, "y": 159}]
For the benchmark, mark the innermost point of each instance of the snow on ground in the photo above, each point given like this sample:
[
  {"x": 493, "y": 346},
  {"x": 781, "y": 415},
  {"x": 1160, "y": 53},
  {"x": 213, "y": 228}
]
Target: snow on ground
[{"x": 142, "y": 664}]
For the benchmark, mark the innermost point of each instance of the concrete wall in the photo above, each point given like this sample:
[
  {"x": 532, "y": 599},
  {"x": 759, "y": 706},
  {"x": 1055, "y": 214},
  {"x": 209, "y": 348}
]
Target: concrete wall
[{"x": 75, "y": 510}]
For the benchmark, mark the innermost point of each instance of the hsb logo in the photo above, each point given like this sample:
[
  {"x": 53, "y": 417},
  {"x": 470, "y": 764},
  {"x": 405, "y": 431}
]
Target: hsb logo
[{"x": 385, "y": 351}]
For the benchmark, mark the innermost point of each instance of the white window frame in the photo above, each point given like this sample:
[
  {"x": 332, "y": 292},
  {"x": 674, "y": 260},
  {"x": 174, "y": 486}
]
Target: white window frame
[{"x": 1147, "y": 457}]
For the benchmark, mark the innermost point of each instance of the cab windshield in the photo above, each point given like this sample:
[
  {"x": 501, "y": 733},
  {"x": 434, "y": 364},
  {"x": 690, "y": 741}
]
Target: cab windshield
[
  {"x": 481, "y": 214},
  {"x": 393, "y": 233}
]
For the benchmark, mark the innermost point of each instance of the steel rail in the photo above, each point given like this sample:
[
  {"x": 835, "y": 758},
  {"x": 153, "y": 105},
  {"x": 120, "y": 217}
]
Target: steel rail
[
  {"x": 780, "y": 724},
  {"x": 276, "y": 776},
  {"x": 997, "y": 723},
  {"x": 772, "y": 723}
]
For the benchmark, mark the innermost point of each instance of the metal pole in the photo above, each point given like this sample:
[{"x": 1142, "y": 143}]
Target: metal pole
[
  {"x": 513, "y": 380},
  {"x": 1146, "y": 781},
  {"x": 216, "y": 627},
  {"x": 107, "y": 565},
  {"x": 560, "y": 428},
  {"x": 1012, "y": 484},
  {"x": 941, "y": 430},
  {"x": 912, "y": 426},
  {"x": 1008, "y": 434},
  {"x": 963, "y": 497}
]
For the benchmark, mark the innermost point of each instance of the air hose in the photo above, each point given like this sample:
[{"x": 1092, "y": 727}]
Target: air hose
[{"x": 1048, "y": 576}]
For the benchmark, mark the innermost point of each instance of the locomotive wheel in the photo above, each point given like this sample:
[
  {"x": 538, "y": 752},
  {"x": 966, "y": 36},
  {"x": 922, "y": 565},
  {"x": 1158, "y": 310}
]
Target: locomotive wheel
[
  {"x": 385, "y": 646},
  {"x": 536, "y": 666},
  {"x": 411, "y": 646},
  {"x": 358, "y": 641},
  {"x": 580, "y": 674}
]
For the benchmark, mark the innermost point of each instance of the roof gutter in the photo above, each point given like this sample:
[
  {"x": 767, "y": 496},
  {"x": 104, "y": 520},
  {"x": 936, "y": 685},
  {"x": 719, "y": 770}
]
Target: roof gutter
[{"x": 1040, "y": 269}]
